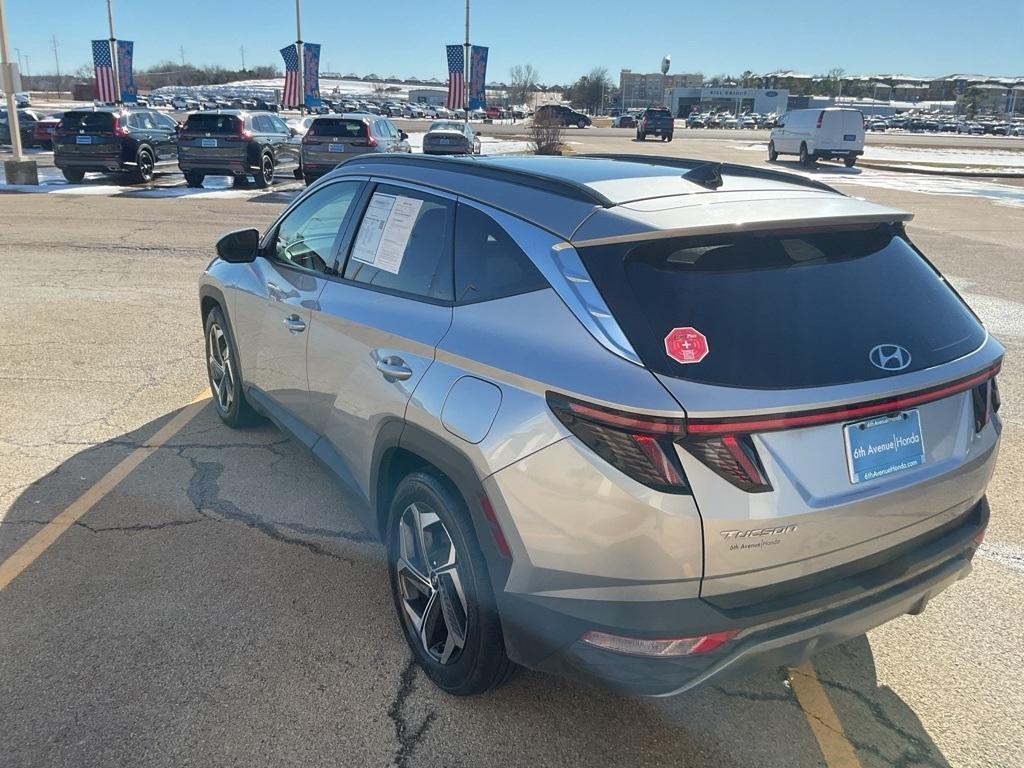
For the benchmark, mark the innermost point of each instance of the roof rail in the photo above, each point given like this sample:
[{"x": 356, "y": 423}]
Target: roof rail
[
  {"x": 472, "y": 166},
  {"x": 726, "y": 169}
]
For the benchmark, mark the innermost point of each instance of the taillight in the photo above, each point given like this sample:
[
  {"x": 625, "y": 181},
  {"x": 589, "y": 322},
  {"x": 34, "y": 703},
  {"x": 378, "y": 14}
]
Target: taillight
[
  {"x": 308, "y": 138},
  {"x": 985, "y": 400},
  {"x": 637, "y": 445},
  {"x": 120, "y": 130},
  {"x": 821, "y": 116},
  {"x": 643, "y": 447},
  {"x": 733, "y": 458}
]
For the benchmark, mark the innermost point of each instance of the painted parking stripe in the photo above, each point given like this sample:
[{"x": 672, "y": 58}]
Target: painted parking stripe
[
  {"x": 25, "y": 555},
  {"x": 828, "y": 731}
]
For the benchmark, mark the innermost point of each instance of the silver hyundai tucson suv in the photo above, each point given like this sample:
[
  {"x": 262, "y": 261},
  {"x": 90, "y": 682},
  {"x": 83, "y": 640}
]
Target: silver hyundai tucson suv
[{"x": 632, "y": 420}]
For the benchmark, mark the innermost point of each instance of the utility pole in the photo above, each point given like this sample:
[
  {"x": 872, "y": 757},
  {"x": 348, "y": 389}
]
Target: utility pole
[
  {"x": 181, "y": 50},
  {"x": 113, "y": 53},
  {"x": 56, "y": 61},
  {"x": 302, "y": 59},
  {"x": 17, "y": 170},
  {"x": 243, "y": 58},
  {"x": 465, "y": 69}
]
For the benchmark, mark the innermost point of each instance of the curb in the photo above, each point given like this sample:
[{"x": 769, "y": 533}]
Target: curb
[{"x": 938, "y": 171}]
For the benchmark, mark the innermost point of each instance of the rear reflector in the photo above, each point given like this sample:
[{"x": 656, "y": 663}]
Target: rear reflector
[{"x": 638, "y": 646}]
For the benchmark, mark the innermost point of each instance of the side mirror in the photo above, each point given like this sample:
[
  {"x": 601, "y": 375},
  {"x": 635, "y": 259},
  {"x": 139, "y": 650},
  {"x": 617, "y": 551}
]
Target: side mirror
[
  {"x": 404, "y": 135},
  {"x": 293, "y": 132},
  {"x": 239, "y": 247}
]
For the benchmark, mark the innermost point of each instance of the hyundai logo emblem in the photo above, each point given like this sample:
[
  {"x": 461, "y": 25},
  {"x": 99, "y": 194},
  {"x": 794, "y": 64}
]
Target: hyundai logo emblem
[{"x": 889, "y": 357}]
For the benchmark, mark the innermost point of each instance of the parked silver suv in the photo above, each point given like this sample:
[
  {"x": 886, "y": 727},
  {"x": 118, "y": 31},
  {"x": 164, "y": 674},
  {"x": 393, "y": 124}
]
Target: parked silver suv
[{"x": 634, "y": 420}]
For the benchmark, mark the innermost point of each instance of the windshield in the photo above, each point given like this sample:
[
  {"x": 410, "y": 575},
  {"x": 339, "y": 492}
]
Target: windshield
[
  {"x": 447, "y": 125},
  {"x": 782, "y": 310},
  {"x": 89, "y": 121}
]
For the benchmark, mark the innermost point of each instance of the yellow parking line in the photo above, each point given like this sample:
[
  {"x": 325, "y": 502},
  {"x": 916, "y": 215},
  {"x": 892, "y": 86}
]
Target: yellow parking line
[
  {"x": 49, "y": 533},
  {"x": 825, "y": 725}
]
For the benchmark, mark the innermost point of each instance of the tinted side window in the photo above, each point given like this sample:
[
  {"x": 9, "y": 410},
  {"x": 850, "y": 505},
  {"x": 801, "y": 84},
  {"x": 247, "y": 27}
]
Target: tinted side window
[
  {"x": 404, "y": 244},
  {"x": 307, "y": 234},
  {"x": 488, "y": 263},
  {"x": 263, "y": 124},
  {"x": 279, "y": 125}
]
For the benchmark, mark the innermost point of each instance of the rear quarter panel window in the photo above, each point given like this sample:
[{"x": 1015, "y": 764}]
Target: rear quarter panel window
[{"x": 488, "y": 262}]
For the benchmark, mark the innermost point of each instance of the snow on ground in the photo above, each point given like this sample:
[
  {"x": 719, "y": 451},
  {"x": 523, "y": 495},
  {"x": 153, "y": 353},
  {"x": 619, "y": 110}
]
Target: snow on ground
[
  {"x": 958, "y": 157},
  {"x": 834, "y": 173}
]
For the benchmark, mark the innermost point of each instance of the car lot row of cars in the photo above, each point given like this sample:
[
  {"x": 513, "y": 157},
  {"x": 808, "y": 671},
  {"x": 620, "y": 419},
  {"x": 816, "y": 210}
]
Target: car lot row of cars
[
  {"x": 933, "y": 124},
  {"x": 137, "y": 142}
]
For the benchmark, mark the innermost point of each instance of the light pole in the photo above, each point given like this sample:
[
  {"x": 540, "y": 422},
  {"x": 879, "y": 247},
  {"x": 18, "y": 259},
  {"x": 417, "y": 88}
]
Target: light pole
[
  {"x": 18, "y": 170},
  {"x": 465, "y": 70},
  {"x": 56, "y": 61},
  {"x": 302, "y": 61},
  {"x": 113, "y": 53}
]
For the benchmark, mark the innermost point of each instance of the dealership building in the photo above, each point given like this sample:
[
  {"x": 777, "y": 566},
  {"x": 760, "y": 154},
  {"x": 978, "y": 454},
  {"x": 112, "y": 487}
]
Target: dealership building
[{"x": 736, "y": 100}]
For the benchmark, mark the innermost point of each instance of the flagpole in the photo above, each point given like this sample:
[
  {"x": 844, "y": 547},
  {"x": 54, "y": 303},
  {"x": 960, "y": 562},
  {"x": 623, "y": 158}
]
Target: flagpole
[
  {"x": 113, "y": 53},
  {"x": 465, "y": 70},
  {"x": 302, "y": 61}
]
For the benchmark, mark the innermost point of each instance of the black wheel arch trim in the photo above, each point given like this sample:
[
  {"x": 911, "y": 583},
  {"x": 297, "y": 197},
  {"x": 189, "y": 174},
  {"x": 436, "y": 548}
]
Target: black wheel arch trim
[{"x": 459, "y": 471}]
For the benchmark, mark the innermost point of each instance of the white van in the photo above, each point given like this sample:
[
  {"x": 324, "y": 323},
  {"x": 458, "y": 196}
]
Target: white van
[{"x": 819, "y": 134}]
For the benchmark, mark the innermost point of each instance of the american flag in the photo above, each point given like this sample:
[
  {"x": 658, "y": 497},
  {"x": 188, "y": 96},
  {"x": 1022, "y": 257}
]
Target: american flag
[
  {"x": 456, "y": 68},
  {"x": 104, "y": 67},
  {"x": 292, "y": 97}
]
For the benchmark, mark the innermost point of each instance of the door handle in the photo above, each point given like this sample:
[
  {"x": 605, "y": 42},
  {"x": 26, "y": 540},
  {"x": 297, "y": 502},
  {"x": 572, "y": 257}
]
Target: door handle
[
  {"x": 394, "y": 368},
  {"x": 294, "y": 324}
]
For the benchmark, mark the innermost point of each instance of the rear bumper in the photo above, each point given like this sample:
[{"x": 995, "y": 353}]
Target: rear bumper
[
  {"x": 89, "y": 163},
  {"x": 543, "y": 632},
  {"x": 827, "y": 153},
  {"x": 216, "y": 166}
]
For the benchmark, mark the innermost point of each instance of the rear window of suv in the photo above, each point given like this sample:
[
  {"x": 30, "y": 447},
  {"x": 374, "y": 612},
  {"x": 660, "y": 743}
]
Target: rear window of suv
[
  {"x": 350, "y": 129},
  {"x": 783, "y": 309},
  {"x": 658, "y": 113},
  {"x": 212, "y": 123},
  {"x": 89, "y": 121}
]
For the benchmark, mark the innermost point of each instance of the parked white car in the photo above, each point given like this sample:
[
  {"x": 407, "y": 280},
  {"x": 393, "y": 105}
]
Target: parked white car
[{"x": 819, "y": 134}]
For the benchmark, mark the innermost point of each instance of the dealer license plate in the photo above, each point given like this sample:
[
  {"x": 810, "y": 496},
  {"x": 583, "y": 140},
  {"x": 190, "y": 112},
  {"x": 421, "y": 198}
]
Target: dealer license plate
[{"x": 884, "y": 446}]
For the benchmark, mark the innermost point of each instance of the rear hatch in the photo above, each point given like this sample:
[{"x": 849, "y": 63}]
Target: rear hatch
[
  {"x": 88, "y": 134},
  {"x": 329, "y": 140},
  {"x": 207, "y": 137},
  {"x": 833, "y": 385}
]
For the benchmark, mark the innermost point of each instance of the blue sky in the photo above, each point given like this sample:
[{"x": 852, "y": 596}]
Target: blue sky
[{"x": 561, "y": 38}]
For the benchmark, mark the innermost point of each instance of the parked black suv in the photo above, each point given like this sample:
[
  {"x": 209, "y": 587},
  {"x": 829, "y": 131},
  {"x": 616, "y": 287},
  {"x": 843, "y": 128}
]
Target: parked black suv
[
  {"x": 561, "y": 114},
  {"x": 231, "y": 142},
  {"x": 114, "y": 139}
]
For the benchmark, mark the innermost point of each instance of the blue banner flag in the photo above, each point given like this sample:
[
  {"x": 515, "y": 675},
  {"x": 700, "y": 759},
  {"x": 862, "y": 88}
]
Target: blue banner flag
[
  {"x": 311, "y": 74},
  {"x": 125, "y": 53},
  {"x": 477, "y": 77}
]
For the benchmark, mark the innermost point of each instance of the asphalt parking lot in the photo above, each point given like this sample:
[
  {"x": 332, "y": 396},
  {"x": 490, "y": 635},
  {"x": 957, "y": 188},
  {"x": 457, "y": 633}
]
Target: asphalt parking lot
[{"x": 211, "y": 601}]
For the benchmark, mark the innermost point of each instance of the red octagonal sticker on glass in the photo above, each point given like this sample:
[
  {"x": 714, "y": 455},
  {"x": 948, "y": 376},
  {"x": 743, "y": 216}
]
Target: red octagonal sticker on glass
[{"x": 686, "y": 345}]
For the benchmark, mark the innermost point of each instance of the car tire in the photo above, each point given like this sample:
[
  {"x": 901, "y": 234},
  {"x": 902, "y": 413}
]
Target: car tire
[
  {"x": 309, "y": 179},
  {"x": 193, "y": 179},
  {"x": 806, "y": 159},
  {"x": 429, "y": 530},
  {"x": 850, "y": 161},
  {"x": 772, "y": 154},
  {"x": 581, "y": 123},
  {"x": 264, "y": 175},
  {"x": 145, "y": 167},
  {"x": 46, "y": 146},
  {"x": 297, "y": 173},
  {"x": 223, "y": 373},
  {"x": 73, "y": 175},
  {"x": 668, "y": 137}
]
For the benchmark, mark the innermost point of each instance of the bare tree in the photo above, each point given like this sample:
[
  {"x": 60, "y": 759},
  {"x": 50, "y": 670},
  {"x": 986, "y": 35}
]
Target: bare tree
[
  {"x": 546, "y": 134},
  {"x": 522, "y": 82}
]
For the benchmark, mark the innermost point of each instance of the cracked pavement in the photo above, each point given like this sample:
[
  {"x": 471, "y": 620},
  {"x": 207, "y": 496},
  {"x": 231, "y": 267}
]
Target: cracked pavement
[{"x": 221, "y": 606}]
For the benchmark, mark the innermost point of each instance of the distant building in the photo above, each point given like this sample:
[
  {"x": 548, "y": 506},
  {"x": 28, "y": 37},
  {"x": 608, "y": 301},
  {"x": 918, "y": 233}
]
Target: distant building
[
  {"x": 683, "y": 101},
  {"x": 644, "y": 90},
  {"x": 435, "y": 97}
]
